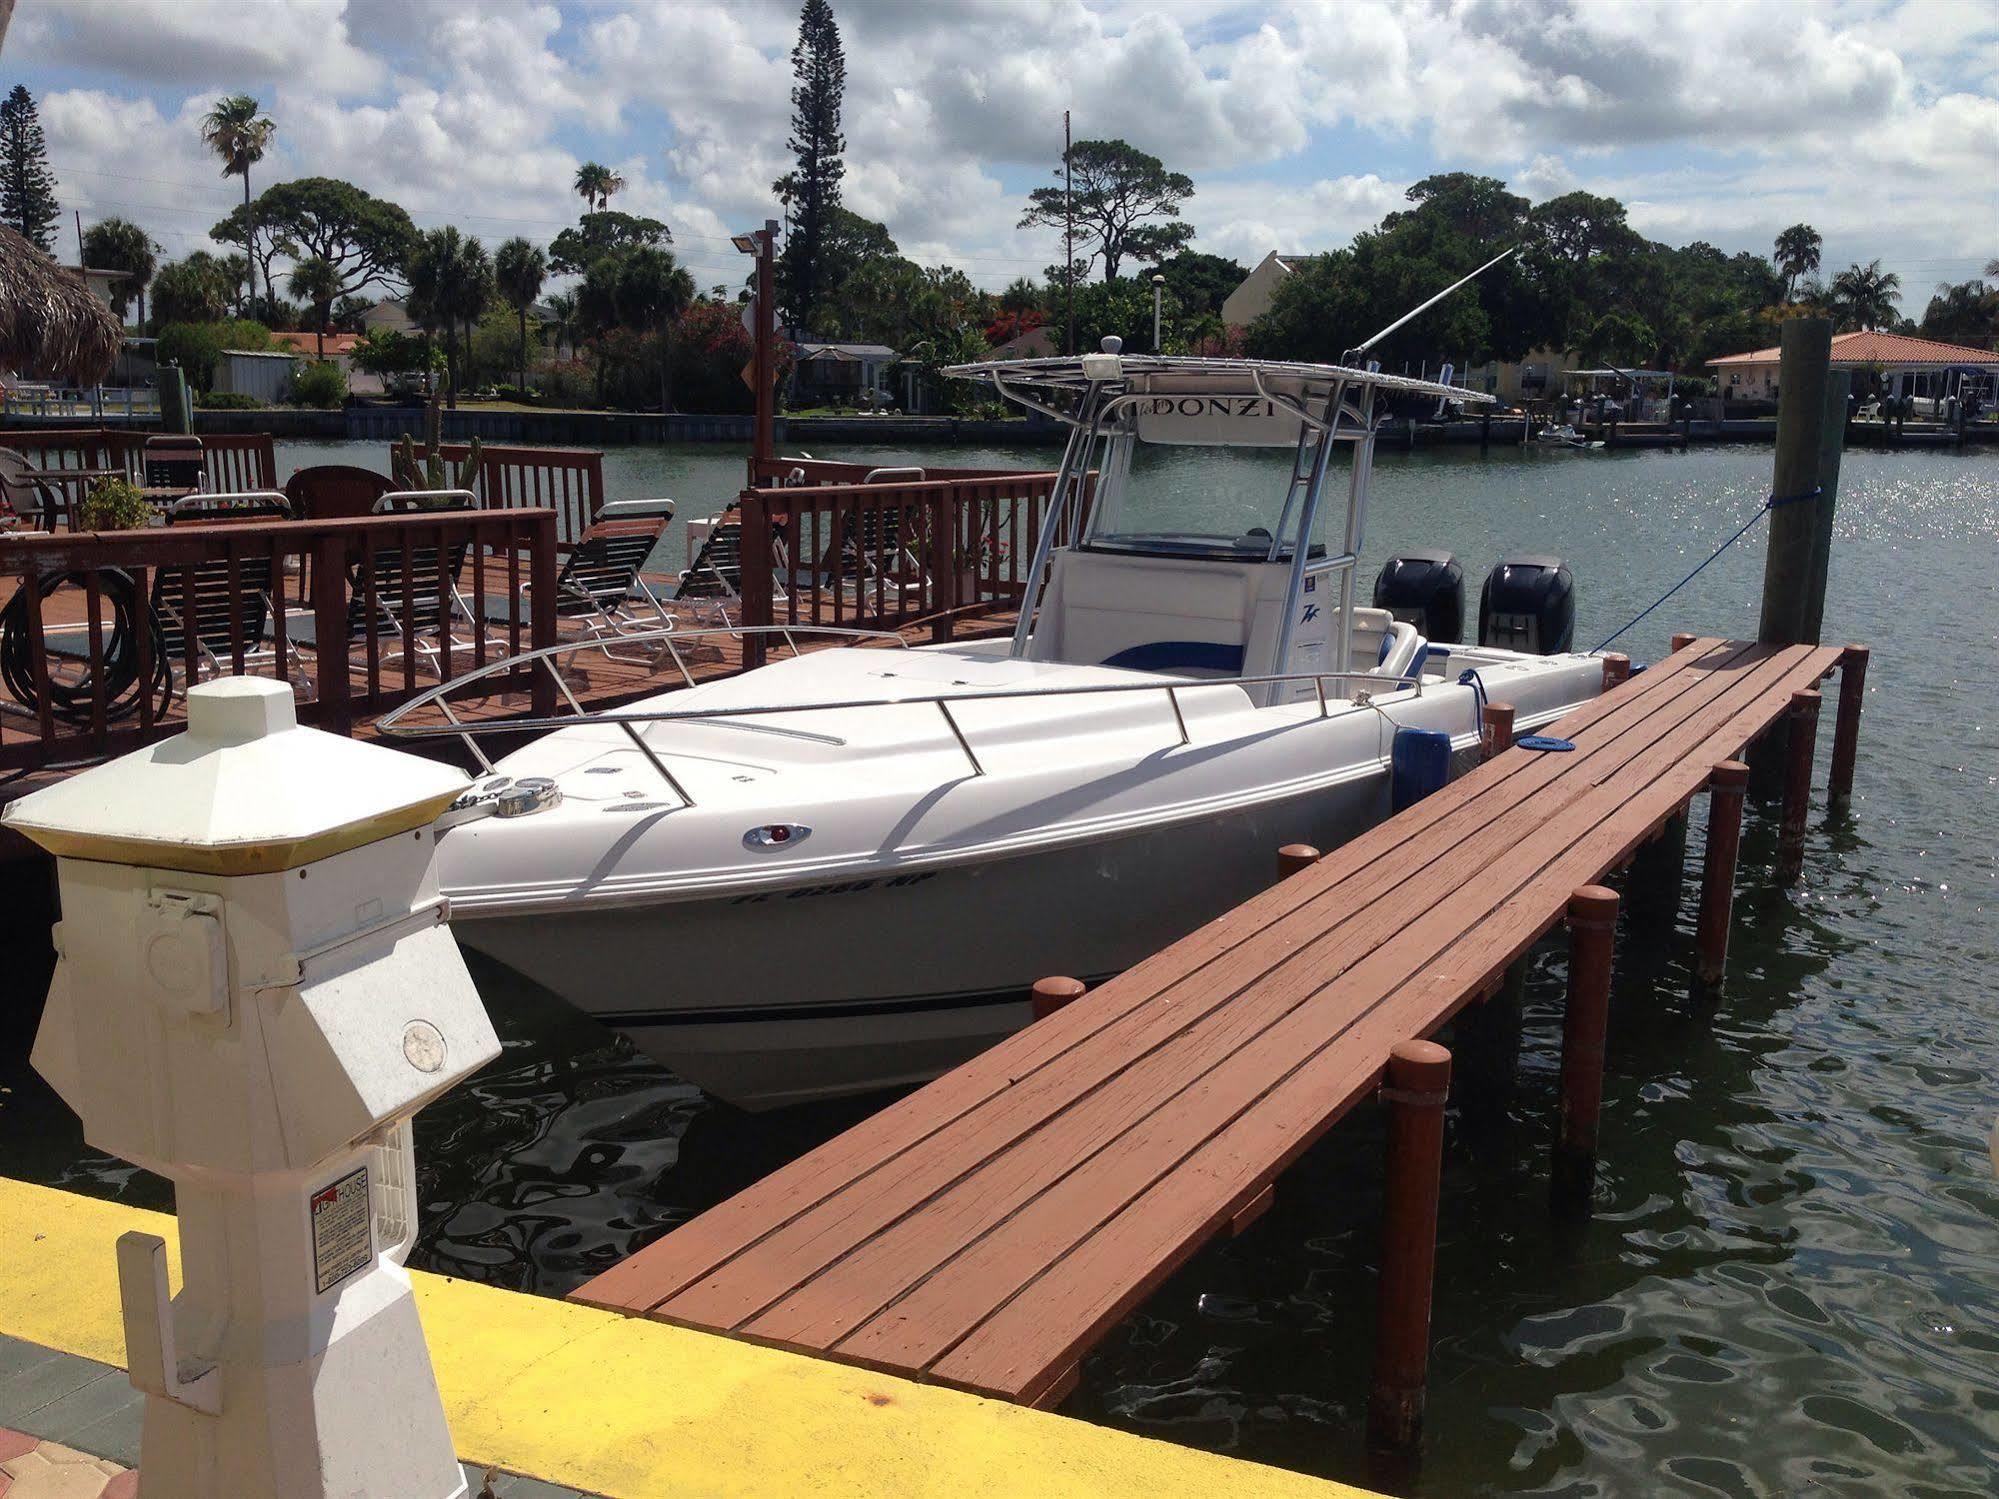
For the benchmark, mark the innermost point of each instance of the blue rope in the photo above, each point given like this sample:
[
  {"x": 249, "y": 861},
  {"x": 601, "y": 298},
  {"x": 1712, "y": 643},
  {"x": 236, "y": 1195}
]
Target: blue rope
[{"x": 1765, "y": 508}]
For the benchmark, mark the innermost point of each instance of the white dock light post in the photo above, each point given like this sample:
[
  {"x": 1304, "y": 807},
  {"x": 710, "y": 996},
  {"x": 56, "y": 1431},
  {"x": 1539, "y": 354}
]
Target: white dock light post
[{"x": 255, "y": 990}]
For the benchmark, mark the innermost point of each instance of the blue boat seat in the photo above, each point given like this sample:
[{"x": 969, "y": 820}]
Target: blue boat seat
[{"x": 1194, "y": 658}]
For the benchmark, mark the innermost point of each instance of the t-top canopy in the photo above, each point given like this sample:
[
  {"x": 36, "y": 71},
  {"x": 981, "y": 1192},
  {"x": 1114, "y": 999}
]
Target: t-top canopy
[{"x": 1254, "y": 402}]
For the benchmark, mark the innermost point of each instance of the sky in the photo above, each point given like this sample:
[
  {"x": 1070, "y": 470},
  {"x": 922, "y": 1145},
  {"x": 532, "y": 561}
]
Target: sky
[{"x": 1300, "y": 121}]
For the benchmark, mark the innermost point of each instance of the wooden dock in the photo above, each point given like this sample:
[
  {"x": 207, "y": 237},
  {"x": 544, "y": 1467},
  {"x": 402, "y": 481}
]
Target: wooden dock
[{"x": 988, "y": 1230}]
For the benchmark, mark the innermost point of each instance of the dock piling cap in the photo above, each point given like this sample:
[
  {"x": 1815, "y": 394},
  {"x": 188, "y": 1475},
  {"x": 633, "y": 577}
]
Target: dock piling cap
[{"x": 246, "y": 790}]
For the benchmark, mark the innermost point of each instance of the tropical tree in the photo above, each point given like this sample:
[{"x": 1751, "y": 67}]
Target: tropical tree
[
  {"x": 1863, "y": 296},
  {"x": 811, "y": 190},
  {"x": 1198, "y": 281},
  {"x": 563, "y": 327},
  {"x": 519, "y": 269},
  {"x": 451, "y": 281},
  {"x": 197, "y": 288},
  {"x": 652, "y": 291},
  {"x": 365, "y": 239},
  {"x": 1798, "y": 250},
  {"x": 574, "y": 251},
  {"x": 121, "y": 245},
  {"x": 316, "y": 282},
  {"x": 239, "y": 134},
  {"x": 1120, "y": 195},
  {"x": 27, "y": 186},
  {"x": 595, "y": 183},
  {"x": 1962, "y": 312}
]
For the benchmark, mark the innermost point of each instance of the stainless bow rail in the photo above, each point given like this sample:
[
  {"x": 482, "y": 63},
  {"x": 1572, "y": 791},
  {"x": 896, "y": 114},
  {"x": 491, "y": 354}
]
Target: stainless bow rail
[{"x": 392, "y": 724}]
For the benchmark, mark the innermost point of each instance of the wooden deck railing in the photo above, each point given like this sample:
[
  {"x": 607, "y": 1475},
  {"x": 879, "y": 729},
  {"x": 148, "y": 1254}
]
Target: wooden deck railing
[
  {"x": 880, "y": 556},
  {"x": 569, "y": 481},
  {"x": 96, "y": 652},
  {"x": 232, "y": 461},
  {"x": 765, "y": 472}
]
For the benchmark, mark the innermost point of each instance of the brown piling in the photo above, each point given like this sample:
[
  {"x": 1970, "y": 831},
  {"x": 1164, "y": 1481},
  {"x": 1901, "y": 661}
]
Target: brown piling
[
  {"x": 1804, "y": 727},
  {"x": 1657, "y": 870},
  {"x": 1586, "y": 1017},
  {"x": 1846, "y": 727},
  {"x": 1417, "y": 1081},
  {"x": 1724, "y": 840},
  {"x": 1683, "y": 638},
  {"x": 1052, "y": 994},
  {"x": 1497, "y": 730},
  {"x": 1295, "y": 858},
  {"x": 1616, "y": 667}
]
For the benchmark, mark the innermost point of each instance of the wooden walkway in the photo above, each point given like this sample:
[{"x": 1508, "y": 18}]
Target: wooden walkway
[{"x": 987, "y": 1230}]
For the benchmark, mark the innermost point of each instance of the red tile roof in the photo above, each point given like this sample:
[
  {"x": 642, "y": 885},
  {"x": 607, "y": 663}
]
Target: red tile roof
[
  {"x": 307, "y": 343},
  {"x": 1890, "y": 349}
]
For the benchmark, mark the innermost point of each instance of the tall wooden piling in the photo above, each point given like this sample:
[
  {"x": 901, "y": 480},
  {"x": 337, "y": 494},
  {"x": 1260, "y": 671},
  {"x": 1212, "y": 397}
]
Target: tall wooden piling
[
  {"x": 1832, "y": 444},
  {"x": 1585, "y": 1020},
  {"x": 1496, "y": 730},
  {"x": 1295, "y": 858},
  {"x": 1846, "y": 727},
  {"x": 1052, "y": 994},
  {"x": 1803, "y": 738},
  {"x": 1417, "y": 1082},
  {"x": 1724, "y": 841}
]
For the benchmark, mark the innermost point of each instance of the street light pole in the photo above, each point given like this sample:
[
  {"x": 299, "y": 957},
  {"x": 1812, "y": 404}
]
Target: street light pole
[{"x": 1158, "y": 285}]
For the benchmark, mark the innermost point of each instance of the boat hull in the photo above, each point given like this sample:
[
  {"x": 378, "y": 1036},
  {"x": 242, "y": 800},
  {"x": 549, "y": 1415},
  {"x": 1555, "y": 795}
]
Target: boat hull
[{"x": 788, "y": 996}]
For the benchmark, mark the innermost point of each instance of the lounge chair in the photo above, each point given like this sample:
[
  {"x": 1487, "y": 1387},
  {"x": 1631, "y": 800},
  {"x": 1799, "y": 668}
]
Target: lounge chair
[
  {"x": 434, "y": 599},
  {"x": 601, "y": 587},
  {"x": 202, "y": 604},
  {"x": 29, "y": 498}
]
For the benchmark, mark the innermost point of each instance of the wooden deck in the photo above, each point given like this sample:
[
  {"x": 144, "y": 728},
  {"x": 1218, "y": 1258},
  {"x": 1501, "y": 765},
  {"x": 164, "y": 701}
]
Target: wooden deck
[{"x": 986, "y": 1231}]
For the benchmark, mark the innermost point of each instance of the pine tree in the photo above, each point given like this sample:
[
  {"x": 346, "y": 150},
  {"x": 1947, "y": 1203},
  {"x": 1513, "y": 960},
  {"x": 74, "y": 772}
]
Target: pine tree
[
  {"x": 811, "y": 191},
  {"x": 27, "y": 186}
]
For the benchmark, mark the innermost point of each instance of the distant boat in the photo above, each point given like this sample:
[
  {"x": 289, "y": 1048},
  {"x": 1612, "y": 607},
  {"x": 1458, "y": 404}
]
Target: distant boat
[{"x": 1565, "y": 436}]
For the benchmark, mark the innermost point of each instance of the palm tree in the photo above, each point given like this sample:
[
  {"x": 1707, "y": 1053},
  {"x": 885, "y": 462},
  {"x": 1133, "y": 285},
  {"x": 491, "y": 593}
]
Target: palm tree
[
  {"x": 121, "y": 245},
  {"x": 238, "y": 134},
  {"x": 315, "y": 281},
  {"x": 520, "y": 268},
  {"x": 1863, "y": 296},
  {"x": 562, "y": 324},
  {"x": 1798, "y": 253},
  {"x": 652, "y": 291},
  {"x": 595, "y": 183},
  {"x": 451, "y": 280}
]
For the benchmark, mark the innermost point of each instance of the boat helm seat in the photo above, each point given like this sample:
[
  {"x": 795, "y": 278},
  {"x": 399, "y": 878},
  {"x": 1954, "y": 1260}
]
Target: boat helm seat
[{"x": 1146, "y": 614}]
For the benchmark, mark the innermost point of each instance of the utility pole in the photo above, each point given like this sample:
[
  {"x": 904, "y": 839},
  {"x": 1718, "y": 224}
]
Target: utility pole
[
  {"x": 764, "y": 447},
  {"x": 1068, "y": 235}
]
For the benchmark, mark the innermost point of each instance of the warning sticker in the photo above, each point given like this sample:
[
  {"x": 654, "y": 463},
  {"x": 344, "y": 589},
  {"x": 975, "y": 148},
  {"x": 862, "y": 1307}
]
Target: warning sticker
[{"x": 342, "y": 1238}]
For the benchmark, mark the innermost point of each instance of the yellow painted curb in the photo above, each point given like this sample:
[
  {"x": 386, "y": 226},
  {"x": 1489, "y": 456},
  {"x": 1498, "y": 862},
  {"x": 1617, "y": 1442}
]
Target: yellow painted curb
[{"x": 641, "y": 1410}]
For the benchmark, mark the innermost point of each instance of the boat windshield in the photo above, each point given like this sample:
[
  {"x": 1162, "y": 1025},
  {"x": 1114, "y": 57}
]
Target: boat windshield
[{"x": 1231, "y": 517}]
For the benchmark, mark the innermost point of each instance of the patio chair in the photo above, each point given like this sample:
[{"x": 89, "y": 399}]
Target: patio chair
[
  {"x": 601, "y": 587},
  {"x": 434, "y": 599},
  {"x": 29, "y": 498},
  {"x": 715, "y": 576},
  {"x": 173, "y": 461},
  {"x": 336, "y": 491},
  {"x": 203, "y": 604}
]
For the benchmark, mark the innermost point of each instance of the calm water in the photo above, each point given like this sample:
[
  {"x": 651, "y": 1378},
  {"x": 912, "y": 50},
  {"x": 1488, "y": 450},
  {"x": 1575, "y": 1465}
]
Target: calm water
[{"x": 1790, "y": 1285}]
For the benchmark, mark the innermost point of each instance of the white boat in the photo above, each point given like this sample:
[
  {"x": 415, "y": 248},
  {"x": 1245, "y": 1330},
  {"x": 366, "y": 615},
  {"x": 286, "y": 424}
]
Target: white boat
[
  {"x": 1565, "y": 436},
  {"x": 843, "y": 871}
]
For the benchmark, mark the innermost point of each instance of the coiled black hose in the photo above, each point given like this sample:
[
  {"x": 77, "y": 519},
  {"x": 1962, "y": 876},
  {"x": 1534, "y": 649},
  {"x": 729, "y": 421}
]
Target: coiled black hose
[{"x": 70, "y": 700}]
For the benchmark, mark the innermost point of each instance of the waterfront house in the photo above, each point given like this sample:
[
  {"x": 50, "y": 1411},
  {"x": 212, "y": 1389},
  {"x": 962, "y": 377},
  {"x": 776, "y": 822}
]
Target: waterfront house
[
  {"x": 1903, "y": 363},
  {"x": 840, "y": 374},
  {"x": 1252, "y": 299}
]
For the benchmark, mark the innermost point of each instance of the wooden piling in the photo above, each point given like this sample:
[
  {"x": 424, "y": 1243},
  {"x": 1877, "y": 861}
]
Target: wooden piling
[
  {"x": 1846, "y": 727},
  {"x": 1724, "y": 841},
  {"x": 1496, "y": 730},
  {"x": 1585, "y": 1019},
  {"x": 1682, "y": 639},
  {"x": 1803, "y": 739},
  {"x": 1417, "y": 1082},
  {"x": 1658, "y": 867},
  {"x": 1052, "y": 994},
  {"x": 1616, "y": 667},
  {"x": 1295, "y": 858},
  {"x": 1832, "y": 443}
]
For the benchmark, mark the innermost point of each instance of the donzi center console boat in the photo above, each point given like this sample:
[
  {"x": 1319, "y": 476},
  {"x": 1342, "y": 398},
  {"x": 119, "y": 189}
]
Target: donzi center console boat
[{"x": 844, "y": 870}]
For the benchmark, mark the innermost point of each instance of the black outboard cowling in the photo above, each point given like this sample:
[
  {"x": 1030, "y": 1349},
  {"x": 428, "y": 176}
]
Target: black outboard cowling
[
  {"x": 1427, "y": 590},
  {"x": 1528, "y": 604}
]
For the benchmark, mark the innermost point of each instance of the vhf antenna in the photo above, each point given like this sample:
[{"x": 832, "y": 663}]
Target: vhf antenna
[{"x": 1354, "y": 353}]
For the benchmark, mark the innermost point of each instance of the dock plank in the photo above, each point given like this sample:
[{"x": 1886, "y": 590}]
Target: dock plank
[{"x": 988, "y": 1229}]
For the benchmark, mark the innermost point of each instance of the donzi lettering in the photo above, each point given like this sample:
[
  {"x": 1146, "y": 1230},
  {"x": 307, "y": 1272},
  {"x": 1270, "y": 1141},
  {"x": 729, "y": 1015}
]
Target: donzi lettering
[{"x": 1212, "y": 406}]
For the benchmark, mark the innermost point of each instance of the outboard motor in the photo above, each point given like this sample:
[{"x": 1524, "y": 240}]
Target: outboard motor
[
  {"x": 1528, "y": 604},
  {"x": 1427, "y": 590}
]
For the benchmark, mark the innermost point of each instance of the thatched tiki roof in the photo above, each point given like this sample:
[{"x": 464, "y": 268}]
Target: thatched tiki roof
[{"x": 49, "y": 320}]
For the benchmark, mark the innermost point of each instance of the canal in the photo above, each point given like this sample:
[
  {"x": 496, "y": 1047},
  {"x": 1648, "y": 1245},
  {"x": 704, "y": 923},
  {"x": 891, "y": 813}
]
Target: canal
[{"x": 1791, "y": 1281}]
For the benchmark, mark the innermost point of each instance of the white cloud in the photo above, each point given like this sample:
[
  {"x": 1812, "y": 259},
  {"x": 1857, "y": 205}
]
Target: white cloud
[{"x": 1286, "y": 113}]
